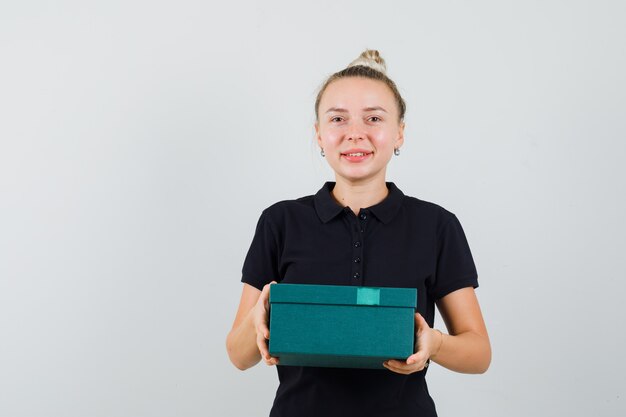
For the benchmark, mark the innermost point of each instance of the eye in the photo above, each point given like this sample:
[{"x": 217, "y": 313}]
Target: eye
[
  {"x": 336, "y": 119},
  {"x": 378, "y": 119}
]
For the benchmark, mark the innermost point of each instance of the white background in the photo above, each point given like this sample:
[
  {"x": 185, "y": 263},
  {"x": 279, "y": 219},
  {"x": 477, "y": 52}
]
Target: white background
[{"x": 140, "y": 140}]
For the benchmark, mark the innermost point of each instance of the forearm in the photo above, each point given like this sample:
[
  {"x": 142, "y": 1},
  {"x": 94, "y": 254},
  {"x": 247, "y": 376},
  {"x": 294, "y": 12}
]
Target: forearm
[
  {"x": 467, "y": 352},
  {"x": 241, "y": 344}
]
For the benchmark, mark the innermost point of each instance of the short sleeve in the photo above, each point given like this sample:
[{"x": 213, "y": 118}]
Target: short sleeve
[
  {"x": 455, "y": 265},
  {"x": 260, "y": 266}
]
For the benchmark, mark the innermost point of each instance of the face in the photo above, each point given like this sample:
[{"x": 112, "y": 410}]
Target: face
[{"x": 358, "y": 128}]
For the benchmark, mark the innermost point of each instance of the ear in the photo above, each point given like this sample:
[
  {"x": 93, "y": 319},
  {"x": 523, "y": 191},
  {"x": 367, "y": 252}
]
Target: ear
[
  {"x": 317, "y": 134},
  {"x": 400, "y": 140}
]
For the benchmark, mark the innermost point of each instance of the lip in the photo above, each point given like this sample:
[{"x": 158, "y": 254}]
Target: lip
[
  {"x": 356, "y": 150},
  {"x": 366, "y": 155}
]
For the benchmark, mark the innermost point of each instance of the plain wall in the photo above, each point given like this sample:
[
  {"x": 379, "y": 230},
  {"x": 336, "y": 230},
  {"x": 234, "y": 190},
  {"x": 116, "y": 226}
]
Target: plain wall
[{"x": 140, "y": 140}]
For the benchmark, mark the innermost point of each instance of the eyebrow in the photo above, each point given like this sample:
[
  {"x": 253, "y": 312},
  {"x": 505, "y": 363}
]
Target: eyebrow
[{"x": 340, "y": 110}]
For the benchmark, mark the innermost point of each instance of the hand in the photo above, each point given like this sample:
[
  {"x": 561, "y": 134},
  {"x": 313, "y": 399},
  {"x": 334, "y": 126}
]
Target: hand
[
  {"x": 427, "y": 342},
  {"x": 260, "y": 314}
]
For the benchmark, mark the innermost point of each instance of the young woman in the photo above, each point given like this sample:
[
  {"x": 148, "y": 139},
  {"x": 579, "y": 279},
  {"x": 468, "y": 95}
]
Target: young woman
[{"x": 362, "y": 230}]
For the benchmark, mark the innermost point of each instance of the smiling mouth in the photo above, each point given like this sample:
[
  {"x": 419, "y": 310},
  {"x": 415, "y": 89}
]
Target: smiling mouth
[
  {"x": 356, "y": 156},
  {"x": 358, "y": 152}
]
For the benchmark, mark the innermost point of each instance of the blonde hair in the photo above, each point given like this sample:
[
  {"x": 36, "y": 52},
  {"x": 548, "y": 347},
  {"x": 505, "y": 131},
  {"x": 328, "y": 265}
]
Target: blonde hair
[{"x": 368, "y": 65}]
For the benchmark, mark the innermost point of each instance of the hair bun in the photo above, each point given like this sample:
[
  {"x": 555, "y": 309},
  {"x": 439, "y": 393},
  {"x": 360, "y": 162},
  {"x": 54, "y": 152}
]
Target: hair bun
[{"x": 370, "y": 58}]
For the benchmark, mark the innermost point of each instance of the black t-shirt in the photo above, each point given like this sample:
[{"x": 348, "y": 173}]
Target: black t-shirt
[{"x": 400, "y": 242}]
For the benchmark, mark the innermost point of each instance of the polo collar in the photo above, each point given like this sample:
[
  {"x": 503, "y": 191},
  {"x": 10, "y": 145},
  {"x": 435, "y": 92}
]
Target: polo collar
[{"x": 327, "y": 208}]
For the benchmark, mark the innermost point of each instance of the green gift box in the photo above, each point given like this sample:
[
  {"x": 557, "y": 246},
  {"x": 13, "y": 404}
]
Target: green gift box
[{"x": 341, "y": 326}]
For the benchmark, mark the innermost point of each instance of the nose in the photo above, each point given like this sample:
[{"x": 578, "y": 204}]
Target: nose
[{"x": 355, "y": 131}]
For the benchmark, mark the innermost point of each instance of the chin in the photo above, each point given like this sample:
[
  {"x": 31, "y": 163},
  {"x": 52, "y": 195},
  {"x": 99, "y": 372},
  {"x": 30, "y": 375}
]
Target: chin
[{"x": 356, "y": 176}]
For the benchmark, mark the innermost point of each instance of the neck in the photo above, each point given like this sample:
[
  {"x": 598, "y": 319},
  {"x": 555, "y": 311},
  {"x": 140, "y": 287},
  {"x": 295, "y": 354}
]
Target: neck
[{"x": 359, "y": 195}]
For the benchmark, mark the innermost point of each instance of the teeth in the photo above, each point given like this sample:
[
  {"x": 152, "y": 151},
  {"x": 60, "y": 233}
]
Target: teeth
[{"x": 355, "y": 154}]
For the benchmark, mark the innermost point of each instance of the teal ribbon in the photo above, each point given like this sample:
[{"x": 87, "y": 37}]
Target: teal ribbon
[{"x": 367, "y": 296}]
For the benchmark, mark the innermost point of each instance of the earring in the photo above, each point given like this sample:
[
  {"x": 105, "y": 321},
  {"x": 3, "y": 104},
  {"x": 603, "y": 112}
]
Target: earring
[
  {"x": 396, "y": 151},
  {"x": 322, "y": 152}
]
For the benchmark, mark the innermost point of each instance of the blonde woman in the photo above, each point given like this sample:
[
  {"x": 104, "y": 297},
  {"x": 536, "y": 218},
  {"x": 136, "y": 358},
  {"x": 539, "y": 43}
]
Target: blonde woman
[{"x": 363, "y": 230}]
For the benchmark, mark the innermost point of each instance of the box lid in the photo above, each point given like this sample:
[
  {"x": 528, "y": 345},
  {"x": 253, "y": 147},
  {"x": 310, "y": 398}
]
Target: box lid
[{"x": 343, "y": 295}]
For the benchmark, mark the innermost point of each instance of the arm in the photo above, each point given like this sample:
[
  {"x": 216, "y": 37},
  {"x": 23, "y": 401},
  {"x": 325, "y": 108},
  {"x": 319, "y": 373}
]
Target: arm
[
  {"x": 465, "y": 349},
  {"x": 246, "y": 341}
]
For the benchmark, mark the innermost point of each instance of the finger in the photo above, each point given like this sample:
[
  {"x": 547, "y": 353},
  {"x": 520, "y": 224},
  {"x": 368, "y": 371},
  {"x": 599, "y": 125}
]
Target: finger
[
  {"x": 264, "y": 330},
  {"x": 417, "y": 357},
  {"x": 265, "y": 295},
  {"x": 420, "y": 322},
  {"x": 396, "y": 363},
  {"x": 267, "y": 287},
  {"x": 392, "y": 366},
  {"x": 265, "y": 292},
  {"x": 402, "y": 368},
  {"x": 404, "y": 365},
  {"x": 264, "y": 351},
  {"x": 260, "y": 341},
  {"x": 420, "y": 364},
  {"x": 273, "y": 361}
]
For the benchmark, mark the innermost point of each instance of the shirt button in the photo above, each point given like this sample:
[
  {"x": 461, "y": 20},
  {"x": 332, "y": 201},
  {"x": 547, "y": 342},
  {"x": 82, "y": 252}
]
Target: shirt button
[
  {"x": 357, "y": 260},
  {"x": 356, "y": 275},
  {"x": 363, "y": 216},
  {"x": 357, "y": 244},
  {"x": 362, "y": 230}
]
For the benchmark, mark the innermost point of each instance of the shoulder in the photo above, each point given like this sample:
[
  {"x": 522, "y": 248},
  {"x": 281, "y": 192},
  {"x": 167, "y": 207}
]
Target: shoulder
[
  {"x": 428, "y": 210},
  {"x": 278, "y": 212},
  {"x": 300, "y": 203}
]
